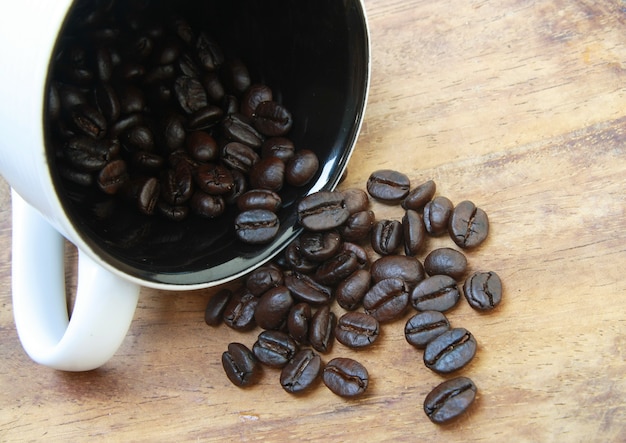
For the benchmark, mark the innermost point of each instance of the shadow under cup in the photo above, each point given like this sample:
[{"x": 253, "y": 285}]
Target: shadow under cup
[{"x": 314, "y": 55}]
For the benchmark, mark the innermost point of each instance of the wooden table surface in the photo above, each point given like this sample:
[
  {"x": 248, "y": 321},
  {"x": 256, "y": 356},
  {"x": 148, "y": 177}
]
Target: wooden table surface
[{"x": 517, "y": 105}]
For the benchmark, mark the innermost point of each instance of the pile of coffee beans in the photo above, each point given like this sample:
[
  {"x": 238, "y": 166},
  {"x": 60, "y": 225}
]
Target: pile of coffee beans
[
  {"x": 348, "y": 275},
  {"x": 144, "y": 107}
]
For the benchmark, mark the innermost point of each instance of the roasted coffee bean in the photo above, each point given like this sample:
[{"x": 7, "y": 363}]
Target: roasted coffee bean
[
  {"x": 213, "y": 86},
  {"x": 424, "y": 327},
  {"x": 268, "y": 173},
  {"x": 298, "y": 322},
  {"x": 230, "y": 104},
  {"x": 407, "y": 268},
  {"x": 237, "y": 127},
  {"x": 131, "y": 98},
  {"x": 349, "y": 293},
  {"x": 147, "y": 161},
  {"x": 305, "y": 289},
  {"x": 79, "y": 177},
  {"x": 280, "y": 147},
  {"x": 107, "y": 102},
  {"x": 177, "y": 184},
  {"x": 414, "y": 232},
  {"x": 322, "y": 211},
  {"x": 113, "y": 176},
  {"x": 386, "y": 236},
  {"x": 190, "y": 94},
  {"x": 450, "y": 351},
  {"x": 71, "y": 96},
  {"x": 259, "y": 199},
  {"x": 345, "y": 377},
  {"x": 263, "y": 279},
  {"x": 273, "y": 307},
  {"x": 435, "y": 293},
  {"x": 301, "y": 168},
  {"x": 418, "y": 197},
  {"x": 205, "y": 118},
  {"x": 449, "y": 399},
  {"x": 386, "y": 300},
  {"x": 235, "y": 77},
  {"x": 214, "y": 179},
  {"x": 272, "y": 119},
  {"x": 446, "y": 261},
  {"x": 240, "y": 157},
  {"x": 202, "y": 146},
  {"x": 356, "y": 200},
  {"x": 256, "y": 226},
  {"x": 388, "y": 186},
  {"x": 322, "y": 329},
  {"x": 337, "y": 268},
  {"x": 468, "y": 225},
  {"x": 296, "y": 261},
  {"x": 254, "y": 95},
  {"x": 436, "y": 215},
  {"x": 319, "y": 246},
  {"x": 240, "y": 365},
  {"x": 216, "y": 306},
  {"x": 274, "y": 348},
  {"x": 208, "y": 52},
  {"x": 88, "y": 120},
  {"x": 358, "y": 226},
  {"x": 359, "y": 253},
  {"x": 357, "y": 329},
  {"x": 172, "y": 212},
  {"x": 148, "y": 195},
  {"x": 173, "y": 131},
  {"x": 483, "y": 290},
  {"x": 240, "y": 187},
  {"x": 124, "y": 123},
  {"x": 239, "y": 313},
  {"x": 301, "y": 372},
  {"x": 207, "y": 205},
  {"x": 137, "y": 138},
  {"x": 87, "y": 154}
]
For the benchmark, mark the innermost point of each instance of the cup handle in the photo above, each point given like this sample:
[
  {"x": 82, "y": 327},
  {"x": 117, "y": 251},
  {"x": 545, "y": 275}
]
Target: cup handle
[{"x": 103, "y": 308}]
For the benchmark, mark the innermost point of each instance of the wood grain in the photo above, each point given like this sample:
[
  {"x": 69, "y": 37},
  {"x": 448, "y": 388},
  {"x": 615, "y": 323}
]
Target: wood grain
[{"x": 517, "y": 105}]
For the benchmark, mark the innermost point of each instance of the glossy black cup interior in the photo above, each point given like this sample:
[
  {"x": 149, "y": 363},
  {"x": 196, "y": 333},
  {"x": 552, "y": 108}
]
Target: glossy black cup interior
[{"x": 314, "y": 55}]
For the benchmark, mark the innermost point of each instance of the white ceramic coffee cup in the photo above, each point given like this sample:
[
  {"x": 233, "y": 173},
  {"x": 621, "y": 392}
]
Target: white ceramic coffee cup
[{"x": 108, "y": 287}]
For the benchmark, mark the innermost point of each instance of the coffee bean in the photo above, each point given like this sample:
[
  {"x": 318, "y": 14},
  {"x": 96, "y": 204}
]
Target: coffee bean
[
  {"x": 418, "y": 197},
  {"x": 436, "y": 215},
  {"x": 268, "y": 173},
  {"x": 386, "y": 236},
  {"x": 239, "y": 157},
  {"x": 388, "y": 186},
  {"x": 137, "y": 138},
  {"x": 208, "y": 52},
  {"x": 214, "y": 179},
  {"x": 235, "y": 76},
  {"x": 237, "y": 127},
  {"x": 254, "y": 95},
  {"x": 172, "y": 212},
  {"x": 424, "y": 327},
  {"x": 263, "y": 279},
  {"x": 301, "y": 168},
  {"x": 321, "y": 211},
  {"x": 273, "y": 307},
  {"x": 356, "y": 200},
  {"x": 468, "y": 225},
  {"x": 87, "y": 154},
  {"x": 337, "y": 268},
  {"x": 322, "y": 329},
  {"x": 386, "y": 300},
  {"x": 280, "y": 147},
  {"x": 358, "y": 226},
  {"x": 205, "y": 118},
  {"x": 450, "y": 351},
  {"x": 147, "y": 162},
  {"x": 357, "y": 329},
  {"x": 435, "y": 293},
  {"x": 349, "y": 293},
  {"x": 177, "y": 184},
  {"x": 256, "y": 226},
  {"x": 239, "y": 313},
  {"x": 210, "y": 206},
  {"x": 107, "y": 102},
  {"x": 298, "y": 322},
  {"x": 215, "y": 308},
  {"x": 190, "y": 94},
  {"x": 148, "y": 196},
  {"x": 408, "y": 269},
  {"x": 359, "y": 252},
  {"x": 320, "y": 246},
  {"x": 259, "y": 199},
  {"x": 446, "y": 261},
  {"x": 483, "y": 290},
  {"x": 272, "y": 119},
  {"x": 240, "y": 365},
  {"x": 414, "y": 232},
  {"x": 201, "y": 146},
  {"x": 449, "y": 399},
  {"x": 345, "y": 377},
  {"x": 306, "y": 289},
  {"x": 113, "y": 176},
  {"x": 213, "y": 86},
  {"x": 88, "y": 120},
  {"x": 301, "y": 372},
  {"x": 274, "y": 348}
]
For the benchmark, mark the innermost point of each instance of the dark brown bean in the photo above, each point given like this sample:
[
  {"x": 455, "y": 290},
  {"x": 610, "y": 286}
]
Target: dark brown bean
[
  {"x": 450, "y": 351},
  {"x": 345, "y": 377},
  {"x": 424, "y": 327},
  {"x": 357, "y": 330},
  {"x": 446, "y": 261},
  {"x": 386, "y": 236},
  {"x": 214, "y": 311},
  {"x": 386, "y": 300},
  {"x": 450, "y": 399},
  {"x": 322, "y": 211},
  {"x": 388, "y": 186},
  {"x": 436, "y": 215},
  {"x": 240, "y": 365},
  {"x": 418, "y": 197},
  {"x": 322, "y": 329},
  {"x": 435, "y": 293},
  {"x": 349, "y": 293},
  {"x": 468, "y": 225},
  {"x": 273, "y": 307},
  {"x": 301, "y": 372},
  {"x": 274, "y": 348},
  {"x": 256, "y": 226},
  {"x": 483, "y": 290},
  {"x": 272, "y": 119},
  {"x": 414, "y": 232}
]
